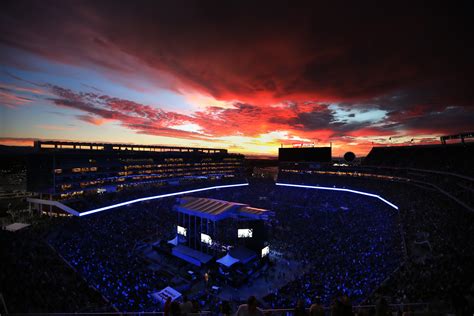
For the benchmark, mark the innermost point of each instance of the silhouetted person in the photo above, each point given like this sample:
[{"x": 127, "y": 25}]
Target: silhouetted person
[
  {"x": 225, "y": 308},
  {"x": 167, "y": 307},
  {"x": 249, "y": 309},
  {"x": 341, "y": 306},
  {"x": 175, "y": 309},
  {"x": 186, "y": 306},
  {"x": 346, "y": 305},
  {"x": 382, "y": 308},
  {"x": 316, "y": 309},
  {"x": 196, "y": 307},
  {"x": 299, "y": 309},
  {"x": 407, "y": 311}
]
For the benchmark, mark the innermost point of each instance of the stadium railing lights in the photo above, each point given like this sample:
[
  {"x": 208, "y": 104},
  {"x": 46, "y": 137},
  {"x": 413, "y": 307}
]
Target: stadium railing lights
[
  {"x": 154, "y": 197},
  {"x": 339, "y": 189}
]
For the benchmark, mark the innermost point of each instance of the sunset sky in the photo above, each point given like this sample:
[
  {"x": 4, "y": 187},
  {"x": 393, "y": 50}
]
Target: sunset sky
[{"x": 246, "y": 76}]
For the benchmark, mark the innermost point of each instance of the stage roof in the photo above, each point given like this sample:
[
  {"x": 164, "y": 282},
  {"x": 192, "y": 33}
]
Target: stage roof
[{"x": 217, "y": 209}]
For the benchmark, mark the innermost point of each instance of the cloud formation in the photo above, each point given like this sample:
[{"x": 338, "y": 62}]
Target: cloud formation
[
  {"x": 306, "y": 120},
  {"x": 350, "y": 72},
  {"x": 258, "y": 52}
]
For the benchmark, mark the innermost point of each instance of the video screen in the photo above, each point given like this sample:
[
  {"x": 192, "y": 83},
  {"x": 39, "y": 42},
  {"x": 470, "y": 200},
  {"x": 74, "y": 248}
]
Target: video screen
[
  {"x": 206, "y": 239},
  {"x": 181, "y": 231},
  {"x": 245, "y": 233}
]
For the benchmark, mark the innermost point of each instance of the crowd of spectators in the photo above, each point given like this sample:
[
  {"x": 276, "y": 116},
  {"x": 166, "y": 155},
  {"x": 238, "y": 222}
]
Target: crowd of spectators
[
  {"x": 93, "y": 200},
  {"x": 437, "y": 233},
  {"x": 347, "y": 243},
  {"x": 101, "y": 248},
  {"x": 450, "y": 157},
  {"x": 349, "y": 246},
  {"x": 33, "y": 278},
  {"x": 441, "y": 262}
]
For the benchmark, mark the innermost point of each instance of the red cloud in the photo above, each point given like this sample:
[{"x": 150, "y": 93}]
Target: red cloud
[
  {"x": 279, "y": 67},
  {"x": 92, "y": 119}
]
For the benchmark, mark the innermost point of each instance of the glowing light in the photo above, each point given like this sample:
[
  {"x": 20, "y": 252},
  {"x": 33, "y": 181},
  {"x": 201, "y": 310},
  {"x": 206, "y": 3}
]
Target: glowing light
[
  {"x": 154, "y": 197},
  {"x": 265, "y": 251},
  {"x": 338, "y": 189},
  {"x": 206, "y": 239},
  {"x": 181, "y": 230},
  {"x": 245, "y": 233}
]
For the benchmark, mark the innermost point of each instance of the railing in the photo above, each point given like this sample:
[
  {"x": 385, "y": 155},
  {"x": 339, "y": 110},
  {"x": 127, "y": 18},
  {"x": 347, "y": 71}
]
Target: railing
[
  {"x": 107, "y": 313},
  {"x": 414, "y": 307}
]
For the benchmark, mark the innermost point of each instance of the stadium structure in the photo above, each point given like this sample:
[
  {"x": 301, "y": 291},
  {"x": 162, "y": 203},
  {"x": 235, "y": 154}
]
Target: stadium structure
[
  {"x": 62, "y": 171},
  {"x": 381, "y": 227}
]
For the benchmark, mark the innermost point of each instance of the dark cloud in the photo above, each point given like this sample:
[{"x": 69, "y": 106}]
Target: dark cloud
[
  {"x": 260, "y": 52},
  {"x": 446, "y": 121}
]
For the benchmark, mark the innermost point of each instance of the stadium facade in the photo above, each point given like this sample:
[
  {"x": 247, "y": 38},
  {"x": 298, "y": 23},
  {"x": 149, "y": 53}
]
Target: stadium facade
[{"x": 64, "y": 170}]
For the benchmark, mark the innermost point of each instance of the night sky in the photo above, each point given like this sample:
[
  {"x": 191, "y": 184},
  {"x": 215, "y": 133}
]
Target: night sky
[{"x": 241, "y": 75}]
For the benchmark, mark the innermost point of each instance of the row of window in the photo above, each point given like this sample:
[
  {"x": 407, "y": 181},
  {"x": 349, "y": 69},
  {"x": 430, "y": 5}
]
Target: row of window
[
  {"x": 119, "y": 187},
  {"x": 163, "y": 172},
  {"x": 67, "y": 186},
  {"x": 179, "y": 165},
  {"x": 94, "y": 169}
]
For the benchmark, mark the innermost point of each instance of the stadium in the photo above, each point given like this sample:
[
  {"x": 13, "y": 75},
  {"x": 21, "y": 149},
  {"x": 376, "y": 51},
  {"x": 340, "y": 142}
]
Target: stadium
[
  {"x": 247, "y": 158},
  {"x": 356, "y": 233}
]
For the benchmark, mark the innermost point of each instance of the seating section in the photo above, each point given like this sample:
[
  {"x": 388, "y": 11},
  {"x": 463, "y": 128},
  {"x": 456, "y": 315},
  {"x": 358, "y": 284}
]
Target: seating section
[{"x": 456, "y": 158}]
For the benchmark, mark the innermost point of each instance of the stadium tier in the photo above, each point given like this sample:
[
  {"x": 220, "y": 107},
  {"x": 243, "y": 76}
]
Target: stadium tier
[
  {"x": 323, "y": 232},
  {"x": 72, "y": 170},
  {"x": 445, "y": 168},
  {"x": 455, "y": 158}
]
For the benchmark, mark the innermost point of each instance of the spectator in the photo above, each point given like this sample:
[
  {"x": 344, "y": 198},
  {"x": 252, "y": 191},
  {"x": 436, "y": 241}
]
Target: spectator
[
  {"x": 316, "y": 309},
  {"x": 225, "y": 309},
  {"x": 167, "y": 307},
  {"x": 196, "y": 307},
  {"x": 186, "y": 306},
  {"x": 249, "y": 309},
  {"x": 300, "y": 310},
  {"x": 382, "y": 308},
  {"x": 175, "y": 309}
]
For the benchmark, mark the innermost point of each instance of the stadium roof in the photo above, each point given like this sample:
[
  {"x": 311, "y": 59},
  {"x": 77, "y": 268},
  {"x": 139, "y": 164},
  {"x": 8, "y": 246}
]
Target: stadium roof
[
  {"x": 41, "y": 145},
  {"x": 217, "y": 209}
]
